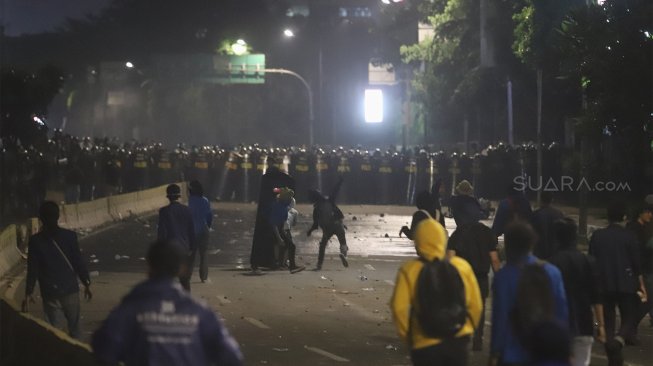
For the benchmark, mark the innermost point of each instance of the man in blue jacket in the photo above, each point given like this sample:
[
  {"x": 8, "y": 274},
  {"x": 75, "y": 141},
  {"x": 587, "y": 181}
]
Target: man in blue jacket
[
  {"x": 158, "y": 323},
  {"x": 176, "y": 225},
  {"x": 508, "y": 348},
  {"x": 54, "y": 260}
]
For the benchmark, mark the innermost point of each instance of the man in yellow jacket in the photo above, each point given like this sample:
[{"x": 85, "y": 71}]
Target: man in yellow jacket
[{"x": 430, "y": 243}]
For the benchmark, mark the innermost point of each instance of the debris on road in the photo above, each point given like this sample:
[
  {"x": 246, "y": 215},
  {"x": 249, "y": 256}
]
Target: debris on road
[{"x": 391, "y": 347}]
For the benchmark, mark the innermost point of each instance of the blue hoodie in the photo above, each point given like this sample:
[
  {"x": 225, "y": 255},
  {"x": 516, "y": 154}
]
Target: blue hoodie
[{"x": 158, "y": 323}]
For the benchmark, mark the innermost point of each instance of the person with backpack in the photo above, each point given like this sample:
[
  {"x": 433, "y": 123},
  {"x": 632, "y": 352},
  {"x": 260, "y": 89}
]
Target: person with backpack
[
  {"x": 526, "y": 292},
  {"x": 436, "y": 302},
  {"x": 280, "y": 222},
  {"x": 328, "y": 217},
  {"x": 477, "y": 244},
  {"x": 583, "y": 290}
]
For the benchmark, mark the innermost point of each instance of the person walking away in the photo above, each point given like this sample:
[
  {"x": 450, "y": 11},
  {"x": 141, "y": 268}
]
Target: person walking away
[
  {"x": 477, "y": 244},
  {"x": 526, "y": 291},
  {"x": 583, "y": 290},
  {"x": 202, "y": 218},
  {"x": 55, "y": 261},
  {"x": 617, "y": 255},
  {"x": 176, "y": 225},
  {"x": 328, "y": 217},
  {"x": 640, "y": 227},
  {"x": 515, "y": 207},
  {"x": 411, "y": 292},
  {"x": 542, "y": 221},
  {"x": 158, "y": 323}
]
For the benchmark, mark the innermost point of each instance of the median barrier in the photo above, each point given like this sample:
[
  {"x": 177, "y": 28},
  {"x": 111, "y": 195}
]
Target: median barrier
[
  {"x": 27, "y": 340},
  {"x": 9, "y": 253}
]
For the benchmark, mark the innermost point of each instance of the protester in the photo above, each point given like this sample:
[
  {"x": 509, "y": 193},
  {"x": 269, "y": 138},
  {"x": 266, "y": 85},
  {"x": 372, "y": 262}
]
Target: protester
[
  {"x": 157, "y": 323},
  {"x": 519, "y": 292},
  {"x": 328, "y": 217},
  {"x": 542, "y": 220},
  {"x": 202, "y": 218},
  {"x": 430, "y": 242},
  {"x": 55, "y": 261},
  {"x": 515, "y": 207},
  {"x": 428, "y": 206},
  {"x": 640, "y": 227},
  {"x": 262, "y": 254},
  {"x": 279, "y": 221},
  {"x": 583, "y": 290},
  {"x": 176, "y": 225},
  {"x": 617, "y": 254},
  {"x": 477, "y": 244},
  {"x": 465, "y": 208}
]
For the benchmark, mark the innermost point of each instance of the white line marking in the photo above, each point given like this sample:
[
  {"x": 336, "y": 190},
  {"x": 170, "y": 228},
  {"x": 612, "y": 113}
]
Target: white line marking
[
  {"x": 257, "y": 323},
  {"x": 390, "y": 282},
  {"x": 223, "y": 299},
  {"x": 369, "y": 267},
  {"x": 326, "y": 354}
]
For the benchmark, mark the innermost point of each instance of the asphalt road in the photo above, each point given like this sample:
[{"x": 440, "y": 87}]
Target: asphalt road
[{"x": 337, "y": 315}]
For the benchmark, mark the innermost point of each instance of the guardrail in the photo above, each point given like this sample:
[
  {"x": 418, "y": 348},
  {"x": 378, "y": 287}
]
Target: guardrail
[{"x": 21, "y": 332}]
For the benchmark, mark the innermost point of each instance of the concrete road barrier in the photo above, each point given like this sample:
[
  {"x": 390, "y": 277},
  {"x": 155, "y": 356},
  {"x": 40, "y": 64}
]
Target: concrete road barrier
[{"x": 27, "y": 340}]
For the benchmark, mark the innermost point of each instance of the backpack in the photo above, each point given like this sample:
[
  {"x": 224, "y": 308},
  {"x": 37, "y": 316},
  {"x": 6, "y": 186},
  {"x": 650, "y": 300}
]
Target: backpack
[
  {"x": 534, "y": 303},
  {"x": 440, "y": 307}
]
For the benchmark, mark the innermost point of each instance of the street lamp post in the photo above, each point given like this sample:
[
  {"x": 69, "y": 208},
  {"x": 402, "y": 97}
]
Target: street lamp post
[{"x": 311, "y": 116}]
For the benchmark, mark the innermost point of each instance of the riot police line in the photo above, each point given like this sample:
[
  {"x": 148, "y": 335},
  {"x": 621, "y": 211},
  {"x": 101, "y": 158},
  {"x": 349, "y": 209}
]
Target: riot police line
[{"x": 82, "y": 169}]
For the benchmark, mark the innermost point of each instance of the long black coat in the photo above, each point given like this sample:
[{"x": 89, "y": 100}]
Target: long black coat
[{"x": 263, "y": 243}]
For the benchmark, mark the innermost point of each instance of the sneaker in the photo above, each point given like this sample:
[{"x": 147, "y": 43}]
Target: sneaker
[
  {"x": 296, "y": 269},
  {"x": 343, "y": 259},
  {"x": 613, "y": 349}
]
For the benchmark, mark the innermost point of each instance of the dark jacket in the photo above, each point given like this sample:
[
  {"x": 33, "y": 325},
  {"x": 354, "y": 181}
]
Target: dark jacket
[
  {"x": 617, "y": 257},
  {"x": 47, "y": 265},
  {"x": 582, "y": 287},
  {"x": 474, "y": 242},
  {"x": 466, "y": 210},
  {"x": 542, "y": 220},
  {"x": 325, "y": 211},
  {"x": 515, "y": 207},
  {"x": 158, "y": 323},
  {"x": 643, "y": 235},
  {"x": 176, "y": 224}
]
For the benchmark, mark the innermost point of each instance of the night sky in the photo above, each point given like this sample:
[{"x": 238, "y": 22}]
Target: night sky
[{"x": 34, "y": 16}]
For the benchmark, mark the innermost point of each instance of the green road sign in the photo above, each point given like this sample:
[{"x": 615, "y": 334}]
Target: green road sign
[{"x": 221, "y": 69}]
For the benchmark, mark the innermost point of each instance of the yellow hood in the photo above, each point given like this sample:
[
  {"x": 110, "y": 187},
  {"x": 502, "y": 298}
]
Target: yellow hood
[{"x": 430, "y": 240}]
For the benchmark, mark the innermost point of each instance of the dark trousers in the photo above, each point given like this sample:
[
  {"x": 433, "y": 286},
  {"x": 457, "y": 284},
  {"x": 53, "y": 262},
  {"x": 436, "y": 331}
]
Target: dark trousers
[
  {"x": 202, "y": 246},
  {"x": 451, "y": 352},
  {"x": 484, "y": 286},
  {"x": 644, "y": 308},
  {"x": 290, "y": 247},
  {"x": 187, "y": 271},
  {"x": 627, "y": 310},
  {"x": 337, "y": 229}
]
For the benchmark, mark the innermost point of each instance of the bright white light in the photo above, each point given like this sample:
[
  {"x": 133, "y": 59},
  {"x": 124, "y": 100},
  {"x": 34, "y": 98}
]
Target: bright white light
[
  {"x": 288, "y": 33},
  {"x": 239, "y": 48},
  {"x": 129, "y": 65},
  {"x": 373, "y": 105},
  {"x": 385, "y": 1},
  {"x": 39, "y": 121}
]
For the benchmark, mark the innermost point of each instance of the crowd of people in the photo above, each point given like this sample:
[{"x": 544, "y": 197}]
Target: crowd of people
[
  {"x": 84, "y": 169},
  {"x": 550, "y": 301}
]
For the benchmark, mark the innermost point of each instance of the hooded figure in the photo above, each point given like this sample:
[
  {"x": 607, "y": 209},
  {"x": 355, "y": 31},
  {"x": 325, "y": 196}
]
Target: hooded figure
[
  {"x": 430, "y": 243},
  {"x": 428, "y": 206}
]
